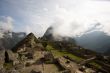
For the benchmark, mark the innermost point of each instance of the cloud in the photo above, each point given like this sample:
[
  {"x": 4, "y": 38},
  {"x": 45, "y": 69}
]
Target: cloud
[
  {"x": 33, "y": 28},
  {"x": 74, "y": 29},
  {"x": 101, "y": 0},
  {"x": 70, "y": 17},
  {"x": 6, "y": 24},
  {"x": 106, "y": 29},
  {"x": 87, "y": 17}
]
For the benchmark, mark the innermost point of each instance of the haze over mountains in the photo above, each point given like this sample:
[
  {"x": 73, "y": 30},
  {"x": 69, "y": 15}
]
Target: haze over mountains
[
  {"x": 10, "y": 39},
  {"x": 96, "y": 40},
  {"x": 54, "y": 36},
  {"x": 36, "y": 55},
  {"x": 28, "y": 54}
]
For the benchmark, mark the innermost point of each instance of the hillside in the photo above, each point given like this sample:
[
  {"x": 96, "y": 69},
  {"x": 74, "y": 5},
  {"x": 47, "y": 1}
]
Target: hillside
[
  {"x": 97, "y": 41},
  {"x": 93, "y": 40},
  {"x": 33, "y": 55},
  {"x": 10, "y": 39},
  {"x": 29, "y": 41}
]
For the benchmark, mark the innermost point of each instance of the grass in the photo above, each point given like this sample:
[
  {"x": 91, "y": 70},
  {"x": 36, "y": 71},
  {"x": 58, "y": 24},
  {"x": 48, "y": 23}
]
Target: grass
[
  {"x": 96, "y": 65},
  {"x": 58, "y": 53}
]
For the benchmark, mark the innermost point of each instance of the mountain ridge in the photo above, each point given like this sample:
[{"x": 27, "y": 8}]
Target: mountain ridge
[
  {"x": 97, "y": 40},
  {"x": 29, "y": 40}
]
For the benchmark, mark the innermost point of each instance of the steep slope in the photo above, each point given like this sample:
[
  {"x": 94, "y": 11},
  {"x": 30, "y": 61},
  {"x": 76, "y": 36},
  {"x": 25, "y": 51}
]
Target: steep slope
[
  {"x": 10, "y": 39},
  {"x": 107, "y": 52},
  {"x": 48, "y": 35},
  {"x": 29, "y": 41},
  {"x": 97, "y": 41}
]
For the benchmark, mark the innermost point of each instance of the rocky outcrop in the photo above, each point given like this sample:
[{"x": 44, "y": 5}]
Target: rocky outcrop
[
  {"x": 29, "y": 41},
  {"x": 10, "y": 55}
]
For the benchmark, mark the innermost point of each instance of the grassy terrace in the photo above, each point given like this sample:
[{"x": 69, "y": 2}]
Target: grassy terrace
[
  {"x": 58, "y": 53},
  {"x": 96, "y": 65}
]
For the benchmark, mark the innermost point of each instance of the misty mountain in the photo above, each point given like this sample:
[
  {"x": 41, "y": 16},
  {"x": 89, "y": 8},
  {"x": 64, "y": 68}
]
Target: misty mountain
[
  {"x": 97, "y": 41},
  {"x": 9, "y": 39},
  {"x": 48, "y": 35},
  {"x": 107, "y": 52}
]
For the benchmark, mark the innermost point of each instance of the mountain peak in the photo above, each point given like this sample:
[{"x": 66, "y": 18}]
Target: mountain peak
[
  {"x": 29, "y": 41},
  {"x": 31, "y": 34}
]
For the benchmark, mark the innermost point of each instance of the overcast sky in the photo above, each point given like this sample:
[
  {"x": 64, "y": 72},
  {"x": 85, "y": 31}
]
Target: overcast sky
[{"x": 70, "y": 17}]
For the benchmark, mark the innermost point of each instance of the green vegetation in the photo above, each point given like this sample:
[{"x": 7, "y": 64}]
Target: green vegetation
[
  {"x": 58, "y": 53},
  {"x": 96, "y": 65}
]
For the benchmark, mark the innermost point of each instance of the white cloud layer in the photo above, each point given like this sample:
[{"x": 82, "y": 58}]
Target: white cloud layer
[
  {"x": 70, "y": 17},
  {"x": 6, "y": 25}
]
